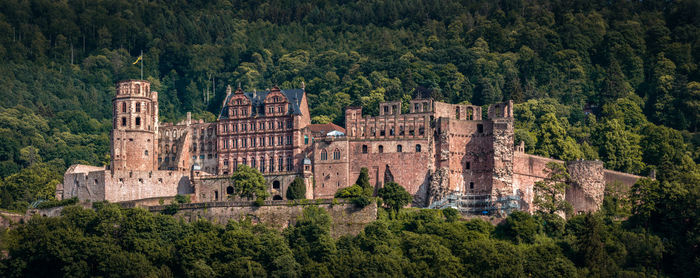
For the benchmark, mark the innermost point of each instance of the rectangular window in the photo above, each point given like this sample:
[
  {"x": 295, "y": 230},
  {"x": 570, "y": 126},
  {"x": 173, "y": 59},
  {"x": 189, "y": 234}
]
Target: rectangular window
[
  {"x": 279, "y": 164},
  {"x": 289, "y": 140},
  {"x": 138, "y": 107},
  {"x": 252, "y": 142},
  {"x": 262, "y": 141},
  {"x": 289, "y": 164},
  {"x": 468, "y": 166},
  {"x": 480, "y": 128}
]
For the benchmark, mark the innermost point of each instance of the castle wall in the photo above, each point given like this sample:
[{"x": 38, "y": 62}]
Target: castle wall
[
  {"x": 408, "y": 168},
  {"x": 216, "y": 188},
  {"x": 528, "y": 169},
  {"x": 627, "y": 180},
  {"x": 347, "y": 219},
  {"x": 330, "y": 174}
]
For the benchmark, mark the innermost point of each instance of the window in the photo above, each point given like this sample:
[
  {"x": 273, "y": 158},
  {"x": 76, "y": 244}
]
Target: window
[
  {"x": 336, "y": 154},
  {"x": 226, "y": 162},
  {"x": 262, "y": 164},
  {"x": 138, "y": 107},
  {"x": 480, "y": 128},
  {"x": 418, "y": 148},
  {"x": 471, "y": 185},
  {"x": 138, "y": 121},
  {"x": 324, "y": 155},
  {"x": 270, "y": 110},
  {"x": 279, "y": 164},
  {"x": 381, "y": 149},
  {"x": 276, "y": 185},
  {"x": 416, "y": 107},
  {"x": 123, "y": 121},
  {"x": 272, "y": 164},
  {"x": 306, "y": 140},
  {"x": 262, "y": 141},
  {"x": 468, "y": 165},
  {"x": 252, "y": 142},
  {"x": 252, "y": 162},
  {"x": 289, "y": 164},
  {"x": 421, "y": 130},
  {"x": 244, "y": 162},
  {"x": 386, "y": 109},
  {"x": 391, "y": 131},
  {"x": 123, "y": 107},
  {"x": 364, "y": 148},
  {"x": 229, "y": 190},
  {"x": 145, "y": 152},
  {"x": 399, "y": 149},
  {"x": 289, "y": 140}
]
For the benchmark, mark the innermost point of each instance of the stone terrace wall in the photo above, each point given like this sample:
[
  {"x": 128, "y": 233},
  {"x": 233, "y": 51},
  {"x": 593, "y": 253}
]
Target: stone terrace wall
[{"x": 347, "y": 219}]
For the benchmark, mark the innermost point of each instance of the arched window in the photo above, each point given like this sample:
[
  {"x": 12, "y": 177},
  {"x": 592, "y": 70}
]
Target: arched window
[
  {"x": 381, "y": 149},
  {"x": 364, "y": 148},
  {"x": 417, "y": 148},
  {"x": 399, "y": 148},
  {"x": 276, "y": 185},
  {"x": 138, "y": 121},
  {"x": 123, "y": 107},
  {"x": 123, "y": 121},
  {"x": 229, "y": 190},
  {"x": 336, "y": 154},
  {"x": 324, "y": 155}
]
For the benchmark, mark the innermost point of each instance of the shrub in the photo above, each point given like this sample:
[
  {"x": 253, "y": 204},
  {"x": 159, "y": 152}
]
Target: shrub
[
  {"x": 182, "y": 199},
  {"x": 171, "y": 209},
  {"x": 297, "y": 190},
  {"x": 57, "y": 203}
]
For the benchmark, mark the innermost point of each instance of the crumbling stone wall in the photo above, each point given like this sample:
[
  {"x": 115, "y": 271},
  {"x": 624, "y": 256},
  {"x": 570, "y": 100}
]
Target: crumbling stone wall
[
  {"x": 347, "y": 219},
  {"x": 587, "y": 187}
]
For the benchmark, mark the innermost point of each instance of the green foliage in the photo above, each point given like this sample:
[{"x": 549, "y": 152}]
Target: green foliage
[
  {"x": 249, "y": 183},
  {"x": 519, "y": 227},
  {"x": 451, "y": 214},
  {"x": 363, "y": 181},
  {"x": 297, "y": 190},
  {"x": 394, "y": 196},
  {"x": 57, "y": 203},
  {"x": 182, "y": 199},
  {"x": 549, "y": 192}
]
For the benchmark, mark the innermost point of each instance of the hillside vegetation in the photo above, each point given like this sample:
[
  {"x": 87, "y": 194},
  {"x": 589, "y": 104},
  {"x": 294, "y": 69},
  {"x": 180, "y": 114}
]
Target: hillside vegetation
[{"x": 611, "y": 80}]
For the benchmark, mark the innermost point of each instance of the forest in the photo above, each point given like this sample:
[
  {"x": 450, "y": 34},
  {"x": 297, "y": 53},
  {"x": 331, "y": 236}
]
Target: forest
[{"x": 616, "y": 81}]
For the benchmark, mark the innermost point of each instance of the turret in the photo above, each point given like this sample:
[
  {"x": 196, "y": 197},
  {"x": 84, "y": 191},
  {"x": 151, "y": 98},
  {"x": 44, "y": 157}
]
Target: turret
[{"x": 134, "y": 137}]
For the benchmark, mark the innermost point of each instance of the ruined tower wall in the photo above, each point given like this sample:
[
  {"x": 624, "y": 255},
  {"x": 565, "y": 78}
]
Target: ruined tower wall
[
  {"x": 465, "y": 149},
  {"x": 587, "y": 187}
]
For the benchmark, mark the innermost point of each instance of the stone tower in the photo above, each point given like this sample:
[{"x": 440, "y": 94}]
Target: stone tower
[{"x": 134, "y": 136}]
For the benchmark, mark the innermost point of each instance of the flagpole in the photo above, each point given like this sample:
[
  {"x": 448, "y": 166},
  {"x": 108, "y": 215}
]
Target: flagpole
[{"x": 141, "y": 64}]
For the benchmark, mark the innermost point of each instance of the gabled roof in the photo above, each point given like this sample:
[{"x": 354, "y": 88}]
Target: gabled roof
[
  {"x": 323, "y": 129},
  {"x": 257, "y": 99}
]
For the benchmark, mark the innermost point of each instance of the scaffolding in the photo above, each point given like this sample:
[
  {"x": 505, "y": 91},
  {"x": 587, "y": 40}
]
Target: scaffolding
[{"x": 479, "y": 203}]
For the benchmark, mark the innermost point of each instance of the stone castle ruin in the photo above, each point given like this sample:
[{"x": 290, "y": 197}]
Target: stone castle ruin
[{"x": 445, "y": 155}]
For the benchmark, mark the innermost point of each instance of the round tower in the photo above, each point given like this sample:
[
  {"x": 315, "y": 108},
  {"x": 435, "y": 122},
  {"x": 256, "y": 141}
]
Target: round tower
[
  {"x": 587, "y": 185},
  {"x": 134, "y": 136}
]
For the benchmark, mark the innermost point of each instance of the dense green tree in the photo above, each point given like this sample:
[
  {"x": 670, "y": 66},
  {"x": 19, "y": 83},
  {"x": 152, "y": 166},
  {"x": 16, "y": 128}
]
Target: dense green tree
[
  {"x": 296, "y": 190},
  {"x": 549, "y": 192},
  {"x": 394, "y": 196},
  {"x": 249, "y": 183}
]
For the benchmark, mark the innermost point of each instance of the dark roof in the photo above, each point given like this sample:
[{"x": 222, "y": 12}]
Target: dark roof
[
  {"x": 293, "y": 96},
  {"x": 324, "y": 128}
]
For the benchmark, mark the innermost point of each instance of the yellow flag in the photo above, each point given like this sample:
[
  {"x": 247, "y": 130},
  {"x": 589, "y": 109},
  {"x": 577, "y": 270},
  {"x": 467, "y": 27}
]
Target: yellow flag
[{"x": 138, "y": 59}]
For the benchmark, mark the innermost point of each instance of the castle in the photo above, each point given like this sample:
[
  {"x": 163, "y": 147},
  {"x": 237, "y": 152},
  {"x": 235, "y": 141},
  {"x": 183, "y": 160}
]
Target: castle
[{"x": 445, "y": 155}]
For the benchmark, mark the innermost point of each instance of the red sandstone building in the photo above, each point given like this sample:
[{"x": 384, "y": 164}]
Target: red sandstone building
[{"x": 443, "y": 154}]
